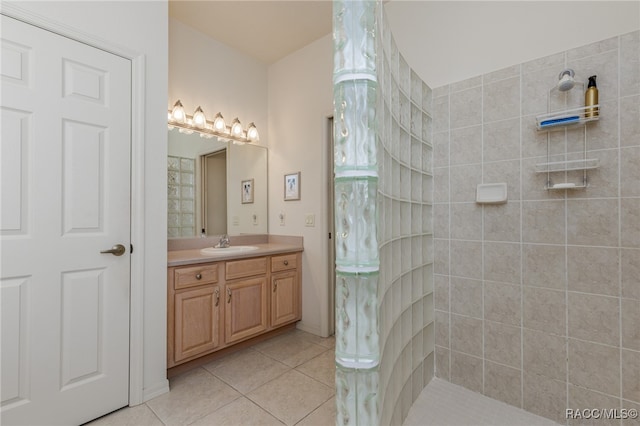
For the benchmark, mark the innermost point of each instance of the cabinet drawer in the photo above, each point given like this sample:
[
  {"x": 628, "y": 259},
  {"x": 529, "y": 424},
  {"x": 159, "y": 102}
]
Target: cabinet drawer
[
  {"x": 284, "y": 263},
  {"x": 246, "y": 267},
  {"x": 196, "y": 275}
]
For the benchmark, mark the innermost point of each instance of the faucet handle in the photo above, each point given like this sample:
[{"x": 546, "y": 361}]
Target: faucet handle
[{"x": 224, "y": 241}]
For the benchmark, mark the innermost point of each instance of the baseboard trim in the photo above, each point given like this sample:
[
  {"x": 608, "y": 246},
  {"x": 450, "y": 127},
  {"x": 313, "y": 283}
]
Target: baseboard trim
[
  {"x": 310, "y": 329},
  {"x": 154, "y": 391}
]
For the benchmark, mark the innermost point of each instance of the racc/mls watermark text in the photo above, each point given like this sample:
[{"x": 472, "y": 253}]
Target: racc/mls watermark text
[{"x": 602, "y": 413}]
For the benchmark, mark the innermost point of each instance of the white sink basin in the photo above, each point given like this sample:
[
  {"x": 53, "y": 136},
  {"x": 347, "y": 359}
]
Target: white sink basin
[{"x": 228, "y": 250}]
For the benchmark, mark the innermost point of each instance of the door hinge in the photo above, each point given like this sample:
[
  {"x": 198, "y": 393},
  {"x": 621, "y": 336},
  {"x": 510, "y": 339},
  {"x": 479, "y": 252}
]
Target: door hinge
[
  {"x": 329, "y": 235},
  {"x": 130, "y": 248}
]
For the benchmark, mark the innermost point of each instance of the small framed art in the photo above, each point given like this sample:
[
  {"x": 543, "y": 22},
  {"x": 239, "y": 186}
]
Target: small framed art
[
  {"x": 247, "y": 191},
  {"x": 292, "y": 186}
]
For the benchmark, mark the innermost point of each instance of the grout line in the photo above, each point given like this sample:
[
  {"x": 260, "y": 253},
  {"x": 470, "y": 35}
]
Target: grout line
[
  {"x": 311, "y": 412},
  {"x": 262, "y": 408},
  {"x": 620, "y": 221},
  {"x": 521, "y": 189},
  {"x": 566, "y": 267},
  {"x": 482, "y": 238},
  {"x": 153, "y": 412},
  {"x": 448, "y": 126}
]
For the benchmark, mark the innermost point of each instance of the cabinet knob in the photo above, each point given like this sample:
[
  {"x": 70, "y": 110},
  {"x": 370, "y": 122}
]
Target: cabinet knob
[
  {"x": 198, "y": 276},
  {"x": 286, "y": 262}
]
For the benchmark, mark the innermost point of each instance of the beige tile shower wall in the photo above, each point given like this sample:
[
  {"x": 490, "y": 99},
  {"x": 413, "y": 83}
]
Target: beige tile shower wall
[
  {"x": 537, "y": 301},
  {"x": 405, "y": 233}
]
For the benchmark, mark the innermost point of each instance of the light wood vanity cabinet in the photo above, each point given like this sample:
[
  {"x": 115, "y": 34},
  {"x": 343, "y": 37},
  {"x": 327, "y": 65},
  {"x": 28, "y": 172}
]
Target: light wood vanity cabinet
[
  {"x": 246, "y": 308},
  {"x": 197, "y": 321},
  {"x": 194, "y": 307},
  {"x": 284, "y": 289},
  {"x": 214, "y": 305}
]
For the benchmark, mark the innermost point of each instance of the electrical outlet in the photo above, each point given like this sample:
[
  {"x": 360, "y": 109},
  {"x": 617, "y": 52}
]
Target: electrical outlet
[
  {"x": 236, "y": 220},
  {"x": 281, "y": 216},
  {"x": 310, "y": 219}
]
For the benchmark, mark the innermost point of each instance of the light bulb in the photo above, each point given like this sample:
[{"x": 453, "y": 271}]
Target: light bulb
[
  {"x": 177, "y": 113},
  {"x": 252, "y": 133},
  {"x": 199, "y": 119},
  {"x": 236, "y": 127},
  {"x": 218, "y": 123}
]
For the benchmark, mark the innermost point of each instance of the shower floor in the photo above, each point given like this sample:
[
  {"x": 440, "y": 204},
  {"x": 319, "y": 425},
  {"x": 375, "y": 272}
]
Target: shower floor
[{"x": 444, "y": 404}]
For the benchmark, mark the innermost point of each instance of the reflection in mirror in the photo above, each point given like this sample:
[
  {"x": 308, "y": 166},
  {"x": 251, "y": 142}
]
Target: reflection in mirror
[
  {"x": 205, "y": 184},
  {"x": 214, "y": 190}
]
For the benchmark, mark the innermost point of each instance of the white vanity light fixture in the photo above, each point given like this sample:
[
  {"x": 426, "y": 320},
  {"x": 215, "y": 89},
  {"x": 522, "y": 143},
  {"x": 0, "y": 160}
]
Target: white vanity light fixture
[
  {"x": 198, "y": 122},
  {"x": 236, "y": 128},
  {"x": 199, "y": 119},
  {"x": 252, "y": 133},
  {"x": 177, "y": 113},
  {"x": 218, "y": 123}
]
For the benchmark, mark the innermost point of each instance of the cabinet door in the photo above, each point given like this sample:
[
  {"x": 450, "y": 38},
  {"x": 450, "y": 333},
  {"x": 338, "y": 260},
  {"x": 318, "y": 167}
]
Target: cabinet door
[
  {"x": 196, "y": 321},
  {"x": 284, "y": 298},
  {"x": 246, "y": 309}
]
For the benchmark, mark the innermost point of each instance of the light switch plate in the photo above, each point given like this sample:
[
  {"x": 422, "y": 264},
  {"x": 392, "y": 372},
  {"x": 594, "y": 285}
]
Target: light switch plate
[
  {"x": 255, "y": 219},
  {"x": 310, "y": 219},
  {"x": 282, "y": 217},
  {"x": 236, "y": 220}
]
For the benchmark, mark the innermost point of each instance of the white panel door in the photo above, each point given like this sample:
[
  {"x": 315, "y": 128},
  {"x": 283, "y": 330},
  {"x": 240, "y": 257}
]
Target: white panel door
[{"x": 65, "y": 197}]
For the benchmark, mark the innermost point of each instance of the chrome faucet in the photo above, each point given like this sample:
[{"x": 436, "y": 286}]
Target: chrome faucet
[{"x": 224, "y": 242}]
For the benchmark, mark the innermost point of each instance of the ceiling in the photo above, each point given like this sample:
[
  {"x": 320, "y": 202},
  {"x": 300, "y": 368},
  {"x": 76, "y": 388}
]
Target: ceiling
[
  {"x": 265, "y": 29},
  {"x": 444, "y": 41}
]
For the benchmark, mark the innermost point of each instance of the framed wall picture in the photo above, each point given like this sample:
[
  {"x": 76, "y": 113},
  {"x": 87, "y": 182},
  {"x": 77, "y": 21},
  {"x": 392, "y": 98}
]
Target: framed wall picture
[
  {"x": 292, "y": 186},
  {"x": 247, "y": 191}
]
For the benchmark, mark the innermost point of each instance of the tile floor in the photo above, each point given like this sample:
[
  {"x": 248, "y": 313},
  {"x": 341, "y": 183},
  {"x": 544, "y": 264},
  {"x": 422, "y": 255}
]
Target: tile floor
[
  {"x": 287, "y": 380},
  {"x": 440, "y": 404}
]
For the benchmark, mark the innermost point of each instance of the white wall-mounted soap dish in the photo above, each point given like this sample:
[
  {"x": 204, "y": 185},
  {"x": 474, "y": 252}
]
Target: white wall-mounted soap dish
[{"x": 491, "y": 193}]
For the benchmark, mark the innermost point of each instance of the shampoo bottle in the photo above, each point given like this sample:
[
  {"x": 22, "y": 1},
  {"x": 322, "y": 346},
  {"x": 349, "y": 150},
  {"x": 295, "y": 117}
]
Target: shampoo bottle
[{"x": 591, "y": 98}]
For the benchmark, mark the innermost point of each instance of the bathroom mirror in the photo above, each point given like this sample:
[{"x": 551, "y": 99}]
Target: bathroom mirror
[{"x": 217, "y": 186}]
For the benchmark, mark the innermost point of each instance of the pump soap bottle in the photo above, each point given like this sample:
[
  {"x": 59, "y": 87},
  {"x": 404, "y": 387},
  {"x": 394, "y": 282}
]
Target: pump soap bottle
[{"x": 591, "y": 98}]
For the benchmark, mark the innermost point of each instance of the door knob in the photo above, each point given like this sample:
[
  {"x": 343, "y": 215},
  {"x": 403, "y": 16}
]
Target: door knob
[{"x": 117, "y": 250}]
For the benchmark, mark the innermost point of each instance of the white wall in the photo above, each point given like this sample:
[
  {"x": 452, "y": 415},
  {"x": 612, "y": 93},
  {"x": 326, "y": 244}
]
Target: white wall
[
  {"x": 205, "y": 72},
  {"x": 449, "y": 41},
  {"x": 140, "y": 27},
  {"x": 300, "y": 99}
]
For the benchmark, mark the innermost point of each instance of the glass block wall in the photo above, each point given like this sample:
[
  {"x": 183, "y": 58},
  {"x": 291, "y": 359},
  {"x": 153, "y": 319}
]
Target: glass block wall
[
  {"x": 384, "y": 241},
  {"x": 181, "y": 197}
]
